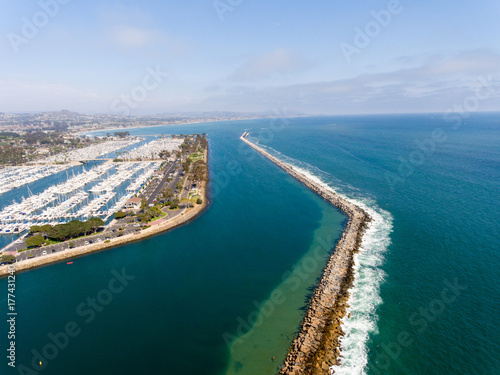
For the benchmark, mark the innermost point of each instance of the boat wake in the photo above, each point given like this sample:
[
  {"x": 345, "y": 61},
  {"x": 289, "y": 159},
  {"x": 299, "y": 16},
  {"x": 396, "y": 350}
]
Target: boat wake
[{"x": 361, "y": 317}]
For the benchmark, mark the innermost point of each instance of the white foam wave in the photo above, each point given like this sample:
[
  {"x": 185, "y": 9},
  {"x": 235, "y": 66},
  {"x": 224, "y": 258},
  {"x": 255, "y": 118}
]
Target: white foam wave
[{"x": 365, "y": 292}]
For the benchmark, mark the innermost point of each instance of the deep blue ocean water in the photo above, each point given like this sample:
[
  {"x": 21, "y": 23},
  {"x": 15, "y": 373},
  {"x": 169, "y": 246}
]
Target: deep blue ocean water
[{"x": 425, "y": 299}]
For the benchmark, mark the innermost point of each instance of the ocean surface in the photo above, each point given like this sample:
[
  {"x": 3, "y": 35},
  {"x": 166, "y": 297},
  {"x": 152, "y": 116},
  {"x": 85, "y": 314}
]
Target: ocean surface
[{"x": 225, "y": 293}]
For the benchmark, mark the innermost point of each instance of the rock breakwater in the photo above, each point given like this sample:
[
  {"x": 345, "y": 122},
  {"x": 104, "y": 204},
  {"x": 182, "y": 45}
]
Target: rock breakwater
[{"x": 317, "y": 347}]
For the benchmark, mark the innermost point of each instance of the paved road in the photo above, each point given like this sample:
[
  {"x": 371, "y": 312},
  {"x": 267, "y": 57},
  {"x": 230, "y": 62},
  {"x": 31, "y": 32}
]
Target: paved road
[
  {"x": 161, "y": 185},
  {"x": 112, "y": 231},
  {"x": 16, "y": 245},
  {"x": 109, "y": 233}
]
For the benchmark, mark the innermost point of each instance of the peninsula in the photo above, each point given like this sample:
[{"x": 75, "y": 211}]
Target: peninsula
[
  {"x": 316, "y": 348},
  {"x": 163, "y": 194}
]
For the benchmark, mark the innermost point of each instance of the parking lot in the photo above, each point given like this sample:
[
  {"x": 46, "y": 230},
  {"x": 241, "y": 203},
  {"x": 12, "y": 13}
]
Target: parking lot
[{"x": 109, "y": 233}]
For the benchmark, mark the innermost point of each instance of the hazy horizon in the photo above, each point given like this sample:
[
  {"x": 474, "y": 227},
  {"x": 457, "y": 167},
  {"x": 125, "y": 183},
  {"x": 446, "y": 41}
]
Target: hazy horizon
[{"x": 239, "y": 56}]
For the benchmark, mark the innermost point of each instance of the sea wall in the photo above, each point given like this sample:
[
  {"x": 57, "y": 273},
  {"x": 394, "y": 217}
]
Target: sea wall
[{"x": 317, "y": 346}]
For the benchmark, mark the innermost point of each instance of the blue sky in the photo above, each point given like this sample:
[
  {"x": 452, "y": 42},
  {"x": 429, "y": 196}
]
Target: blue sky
[{"x": 318, "y": 57}]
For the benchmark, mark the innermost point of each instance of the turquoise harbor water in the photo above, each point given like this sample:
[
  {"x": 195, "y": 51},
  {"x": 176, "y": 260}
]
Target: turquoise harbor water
[{"x": 225, "y": 293}]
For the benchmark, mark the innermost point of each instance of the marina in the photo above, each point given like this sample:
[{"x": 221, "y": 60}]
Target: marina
[
  {"x": 124, "y": 171},
  {"x": 15, "y": 177},
  {"x": 96, "y": 190},
  {"x": 91, "y": 152},
  {"x": 153, "y": 149}
]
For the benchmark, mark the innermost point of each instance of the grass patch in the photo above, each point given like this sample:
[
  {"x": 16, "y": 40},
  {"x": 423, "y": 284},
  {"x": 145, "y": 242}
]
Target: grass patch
[
  {"x": 52, "y": 242},
  {"x": 196, "y": 156},
  {"x": 163, "y": 214}
]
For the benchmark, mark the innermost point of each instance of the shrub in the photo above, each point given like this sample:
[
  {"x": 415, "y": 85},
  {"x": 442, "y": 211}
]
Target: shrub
[
  {"x": 35, "y": 241},
  {"x": 174, "y": 204},
  {"x": 8, "y": 258},
  {"x": 120, "y": 215},
  {"x": 35, "y": 229}
]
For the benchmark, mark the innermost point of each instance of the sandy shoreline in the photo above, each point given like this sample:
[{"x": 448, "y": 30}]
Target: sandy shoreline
[
  {"x": 186, "y": 216},
  {"x": 317, "y": 345},
  {"x": 186, "y": 123}
]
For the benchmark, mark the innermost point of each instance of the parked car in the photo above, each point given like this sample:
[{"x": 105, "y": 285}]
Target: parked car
[{"x": 44, "y": 252}]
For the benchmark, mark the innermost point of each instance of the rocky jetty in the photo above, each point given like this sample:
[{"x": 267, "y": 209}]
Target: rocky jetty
[{"x": 316, "y": 347}]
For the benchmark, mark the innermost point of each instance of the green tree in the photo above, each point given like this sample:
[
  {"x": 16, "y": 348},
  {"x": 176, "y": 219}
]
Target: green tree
[
  {"x": 120, "y": 215},
  {"x": 8, "y": 258},
  {"x": 199, "y": 170},
  {"x": 74, "y": 228},
  {"x": 154, "y": 211},
  {"x": 11, "y": 155},
  {"x": 144, "y": 217},
  {"x": 199, "y": 201},
  {"x": 167, "y": 193},
  {"x": 164, "y": 154},
  {"x": 157, "y": 209},
  {"x": 187, "y": 164},
  {"x": 46, "y": 228},
  {"x": 60, "y": 232},
  {"x": 95, "y": 223},
  {"x": 35, "y": 241},
  {"x": 174, "y": 204},
  {"x": 35, "y": 229},
  {"x": 144, "y": 205},
  {"x": 122, "y": 134}
]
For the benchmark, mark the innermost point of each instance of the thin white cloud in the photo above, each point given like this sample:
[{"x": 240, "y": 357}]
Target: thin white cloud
[
  {"x": 281, "y": 61},
  {"x": 432, "y": 86},
  {"x": 130, "y": 38},
  {"x": 470, "y": 62},
  {"x": 134, "y": 37}
]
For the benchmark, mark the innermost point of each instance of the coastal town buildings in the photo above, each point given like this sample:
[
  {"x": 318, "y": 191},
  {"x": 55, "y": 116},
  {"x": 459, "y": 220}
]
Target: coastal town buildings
[{"x": 133, "y": 204}]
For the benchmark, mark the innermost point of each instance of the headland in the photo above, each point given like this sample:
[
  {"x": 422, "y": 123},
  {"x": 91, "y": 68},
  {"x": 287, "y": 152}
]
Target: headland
[
  {"x": 155, "y": 228},
  {"x": 316, "y": 348}
]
